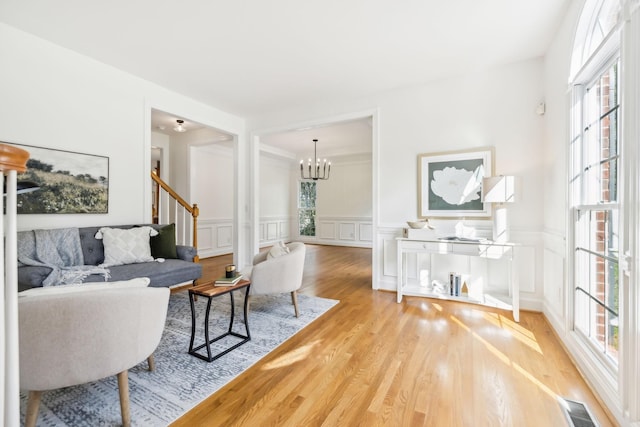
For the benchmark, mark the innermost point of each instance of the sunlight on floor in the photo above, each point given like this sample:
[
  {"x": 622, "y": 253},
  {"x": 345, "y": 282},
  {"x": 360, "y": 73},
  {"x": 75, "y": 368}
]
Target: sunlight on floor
[
  {"x": 292, "y": 357},
  {"x": 505, "y": 359},
  {"x": 517, "y": 331}
]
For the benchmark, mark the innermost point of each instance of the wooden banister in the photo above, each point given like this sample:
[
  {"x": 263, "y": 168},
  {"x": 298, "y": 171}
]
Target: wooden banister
[{"x": 192, "y": 209}]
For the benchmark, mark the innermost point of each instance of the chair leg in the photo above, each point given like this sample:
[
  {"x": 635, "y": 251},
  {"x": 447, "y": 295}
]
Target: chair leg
[
  {"x": 294, "y": 299},
  {"x": 123, "y": 387},
  {"x": 151, "y": 362},
  {"x": 33, "y": 406}
]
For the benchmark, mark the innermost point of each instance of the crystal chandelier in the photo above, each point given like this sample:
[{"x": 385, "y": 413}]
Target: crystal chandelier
[{"x": 314, "y": 172}]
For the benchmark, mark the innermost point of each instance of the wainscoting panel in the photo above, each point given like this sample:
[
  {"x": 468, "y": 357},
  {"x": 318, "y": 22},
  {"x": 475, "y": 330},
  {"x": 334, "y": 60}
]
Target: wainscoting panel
[
  {"x": 283, "y": 229},
  {"x": 366, "y": 232},
  {"x": 341, "y": 231},
  {"x": 555, "y": 274},
  {"x": 205, "y": 239},
  {"x": 347, "y": 231},
  {"x": 225, "y": 236},
  {"x": 215, "y": 237},
  {"x": 326, "y": 230},
  {"x": 274, "y": 229}
]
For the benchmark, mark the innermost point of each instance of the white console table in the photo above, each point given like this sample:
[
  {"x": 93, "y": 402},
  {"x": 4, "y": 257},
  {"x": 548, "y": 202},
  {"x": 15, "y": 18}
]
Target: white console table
[{"x": 485, "y": 249}]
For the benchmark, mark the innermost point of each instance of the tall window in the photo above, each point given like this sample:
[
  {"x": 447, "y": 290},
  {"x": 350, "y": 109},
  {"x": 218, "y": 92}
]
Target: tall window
[
  {"x": 595, "y": 155},
  {"x": 307, "y": 208}
]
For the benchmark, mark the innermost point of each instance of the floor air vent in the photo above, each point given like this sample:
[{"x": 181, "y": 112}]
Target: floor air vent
[{"x": 577, "y": 413}]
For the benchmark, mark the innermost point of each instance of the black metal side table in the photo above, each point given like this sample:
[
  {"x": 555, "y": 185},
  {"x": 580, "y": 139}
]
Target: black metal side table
[{"x": 210, "y": 291}]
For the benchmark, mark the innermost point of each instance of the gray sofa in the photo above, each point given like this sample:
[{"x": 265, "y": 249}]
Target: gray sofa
[{"x": 162, "y": 274}]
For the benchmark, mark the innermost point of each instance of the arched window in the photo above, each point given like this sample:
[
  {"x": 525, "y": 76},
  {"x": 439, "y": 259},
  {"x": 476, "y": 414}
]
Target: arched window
[
  {"x": 597, "y": 26},
  {"x": 594, "y": 184}
]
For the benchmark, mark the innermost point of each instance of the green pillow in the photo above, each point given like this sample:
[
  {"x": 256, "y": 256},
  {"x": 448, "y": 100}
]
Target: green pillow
[{"x": 164, "y": 244}]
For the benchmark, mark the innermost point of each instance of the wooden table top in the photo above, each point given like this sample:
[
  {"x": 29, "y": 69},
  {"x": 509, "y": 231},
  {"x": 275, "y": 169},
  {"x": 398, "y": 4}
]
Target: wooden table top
[{"x": 209, "y": 289}]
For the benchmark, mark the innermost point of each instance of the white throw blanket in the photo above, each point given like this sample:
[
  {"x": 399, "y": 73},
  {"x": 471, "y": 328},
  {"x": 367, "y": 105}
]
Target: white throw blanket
[{"x": 60, "y": 250}]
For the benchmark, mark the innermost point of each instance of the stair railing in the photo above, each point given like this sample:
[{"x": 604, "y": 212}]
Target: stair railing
[{"x": 169, "y": 207}]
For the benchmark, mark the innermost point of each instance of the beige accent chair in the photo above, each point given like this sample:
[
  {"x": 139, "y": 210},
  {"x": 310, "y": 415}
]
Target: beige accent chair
[
  {"x": 280, "y": 274},
  {"x": 75, "y": 334}
]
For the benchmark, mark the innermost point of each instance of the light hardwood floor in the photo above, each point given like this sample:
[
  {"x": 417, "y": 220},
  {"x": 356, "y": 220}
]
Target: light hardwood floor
[{"x": 372, "y": 362}]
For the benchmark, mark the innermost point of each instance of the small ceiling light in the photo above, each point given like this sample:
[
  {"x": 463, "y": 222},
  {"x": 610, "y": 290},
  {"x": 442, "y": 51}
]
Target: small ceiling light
[{"x": 180, "y": 127}]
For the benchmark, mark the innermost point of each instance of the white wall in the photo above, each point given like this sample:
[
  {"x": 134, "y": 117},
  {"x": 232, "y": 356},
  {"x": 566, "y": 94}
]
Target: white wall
[
  {"x": 163, "y": 142},
  {"x": 277, "y": 207},
  {"x": 348, "y": 192},
  {"x": 55, "y": 98},
  {"x": 488, "y": 108},
  {"x": 344, "y": 205},
  {"x": 556, "y": 135},
  {"x": 212, "y": 169}
]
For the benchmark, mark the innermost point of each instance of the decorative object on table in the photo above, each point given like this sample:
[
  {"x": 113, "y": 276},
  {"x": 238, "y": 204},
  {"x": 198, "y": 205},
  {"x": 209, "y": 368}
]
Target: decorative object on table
[
  {"x": 439, "y": 288},
  {"x": 228, "y": 281},
  {"x": 68, "y": 182},
  {"x": 450, "y": 184},
  {"x": 419, "y": 230},
  {"x": 318, "y": 172},
  {"x": 230, "y": 271},
  {"x": 419, "y": 224},
  {"x": 499, "y": 190},
  {"x": 465, "y": 290}
]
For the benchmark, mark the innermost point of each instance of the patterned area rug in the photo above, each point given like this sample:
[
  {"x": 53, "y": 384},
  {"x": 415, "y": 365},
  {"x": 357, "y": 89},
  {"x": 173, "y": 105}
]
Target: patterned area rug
[{"x": 180, "y": 380}]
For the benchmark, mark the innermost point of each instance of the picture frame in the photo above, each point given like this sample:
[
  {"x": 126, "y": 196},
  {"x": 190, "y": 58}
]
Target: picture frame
[
  {"x": 67, "y": 182},
  {"x": 450, "y": 183}
]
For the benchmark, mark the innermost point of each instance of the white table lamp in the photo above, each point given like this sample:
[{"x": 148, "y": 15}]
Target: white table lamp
[{"x": 499, "y": 190}]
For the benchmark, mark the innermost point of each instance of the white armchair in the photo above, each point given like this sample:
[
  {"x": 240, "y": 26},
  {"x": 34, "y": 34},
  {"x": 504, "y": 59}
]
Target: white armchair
[
  {"x": 78, "y": 334},
  {"x": 280, "y": 274}
]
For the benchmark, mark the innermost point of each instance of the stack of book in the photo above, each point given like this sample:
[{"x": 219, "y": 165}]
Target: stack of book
[{"x": 228, "y": 281}]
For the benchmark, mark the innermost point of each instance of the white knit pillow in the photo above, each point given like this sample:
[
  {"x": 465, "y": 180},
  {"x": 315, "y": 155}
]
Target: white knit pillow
[
  {"x": 126, "y": 246},
  {"x": 277, "y": 250}
]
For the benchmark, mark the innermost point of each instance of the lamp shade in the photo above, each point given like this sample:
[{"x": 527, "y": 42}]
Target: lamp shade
[{"x": 498, "y": 189}]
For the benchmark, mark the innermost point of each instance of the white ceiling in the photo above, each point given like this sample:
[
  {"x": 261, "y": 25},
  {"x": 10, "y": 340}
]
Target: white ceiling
[
  {"x": 335, "y": 139},
  {"x": 249, "y": 57}
]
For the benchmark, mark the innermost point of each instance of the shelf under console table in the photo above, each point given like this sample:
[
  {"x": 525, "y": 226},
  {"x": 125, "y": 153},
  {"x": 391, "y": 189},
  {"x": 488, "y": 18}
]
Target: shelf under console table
[{"x": 470, "y": 248}]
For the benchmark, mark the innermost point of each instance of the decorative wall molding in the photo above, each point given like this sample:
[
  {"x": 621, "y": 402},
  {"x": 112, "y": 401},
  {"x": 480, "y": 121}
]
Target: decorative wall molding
[
  {"x": 274, "y": 229},
  {"x": 342, "y": 231},
  {"x": 215, "y": 237}
]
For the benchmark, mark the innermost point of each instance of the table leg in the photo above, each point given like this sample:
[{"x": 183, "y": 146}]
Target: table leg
[
  {"x": 206, "y": 328},
  {"x": 246, "y": 312},
  {"x": 233, "y": 312},
  {"x": 208, "y": 341},
  {"x": 193, "y": 322}
]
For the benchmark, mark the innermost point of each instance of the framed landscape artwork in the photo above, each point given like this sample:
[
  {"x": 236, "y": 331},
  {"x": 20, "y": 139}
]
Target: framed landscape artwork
[
  {"x": 69, "y": 182},
  {"x": 450, "y": 184}
]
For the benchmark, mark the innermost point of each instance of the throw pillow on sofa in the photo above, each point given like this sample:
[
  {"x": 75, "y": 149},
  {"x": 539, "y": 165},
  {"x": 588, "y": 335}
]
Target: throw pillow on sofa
[
  {"x": 164, "y": 244},
  {"x": 128, "y": 246},
  {"x": 277, "y": 250}
]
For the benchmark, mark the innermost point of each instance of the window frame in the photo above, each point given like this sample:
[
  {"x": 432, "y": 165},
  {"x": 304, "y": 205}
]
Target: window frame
[
  {"x": 299, "y": 209},
  {"x": 577, "y": 168}
]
